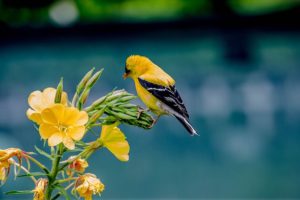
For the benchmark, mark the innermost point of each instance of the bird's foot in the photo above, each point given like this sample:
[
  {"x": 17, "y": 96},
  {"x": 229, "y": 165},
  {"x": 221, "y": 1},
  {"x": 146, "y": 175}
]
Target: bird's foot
[
  {"x": 154, "y": 122},
  {"x": 141, "y": 110}
]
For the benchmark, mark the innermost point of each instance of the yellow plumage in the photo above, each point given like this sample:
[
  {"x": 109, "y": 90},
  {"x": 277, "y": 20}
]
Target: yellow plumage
[
  {"x": 142, "y": 67},
  {"x": 156, "y": 89}
]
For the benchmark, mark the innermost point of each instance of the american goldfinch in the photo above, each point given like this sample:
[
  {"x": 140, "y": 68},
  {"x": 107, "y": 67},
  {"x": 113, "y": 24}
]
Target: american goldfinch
[{"x": 157, "y": 89}]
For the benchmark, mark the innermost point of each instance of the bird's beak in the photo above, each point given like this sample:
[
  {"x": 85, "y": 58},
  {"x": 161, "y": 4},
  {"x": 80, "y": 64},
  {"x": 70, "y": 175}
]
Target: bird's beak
[{"x": 125, "y": 75}]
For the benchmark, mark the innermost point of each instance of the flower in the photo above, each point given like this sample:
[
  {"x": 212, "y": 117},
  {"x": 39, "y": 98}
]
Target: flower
[
  {"x": 78, "y": 165},
  {"x": 64, "y": 124},
  {"x": 40, "y": 188},
  {"x": 115, "y": 141},
  {"x": 88, "y": 185},
  {"x": 5, "y": 161},
  {"x": 11, "y": 152},
  {"x": 38, "y": 101}
]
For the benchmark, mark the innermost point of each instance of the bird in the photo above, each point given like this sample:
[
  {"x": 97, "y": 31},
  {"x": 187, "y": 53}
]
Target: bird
[{"x": 157, "y": 90}]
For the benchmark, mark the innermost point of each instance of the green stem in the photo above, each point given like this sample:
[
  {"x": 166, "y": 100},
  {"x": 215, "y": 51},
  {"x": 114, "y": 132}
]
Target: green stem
[
  {"x": 84, "y": 154},
  {"x": 65, "y": 180},
  {"x": 54, "y": 171}
]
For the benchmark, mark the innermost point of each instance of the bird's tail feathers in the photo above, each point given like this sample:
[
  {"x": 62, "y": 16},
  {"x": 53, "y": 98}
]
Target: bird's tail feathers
[{"x": 187, "y": 125}]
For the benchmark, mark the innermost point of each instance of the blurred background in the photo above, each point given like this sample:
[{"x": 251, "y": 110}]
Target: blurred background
[{"x": 236, "y": 63}]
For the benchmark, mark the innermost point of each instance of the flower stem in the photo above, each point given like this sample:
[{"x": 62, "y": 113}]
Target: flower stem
[
  {"x": 65, "y": 180},
  {"x": 54, "y": 171},
  {"x": 84, "y": 154}
]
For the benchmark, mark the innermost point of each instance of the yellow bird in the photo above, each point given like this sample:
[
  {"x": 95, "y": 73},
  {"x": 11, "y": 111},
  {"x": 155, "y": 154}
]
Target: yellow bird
[{"x": 157, "y": 89}]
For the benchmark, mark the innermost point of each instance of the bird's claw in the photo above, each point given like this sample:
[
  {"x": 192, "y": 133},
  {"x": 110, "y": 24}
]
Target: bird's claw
[
  {"x": 153, "y": 123},
  {"x": 141, "y": 110}
]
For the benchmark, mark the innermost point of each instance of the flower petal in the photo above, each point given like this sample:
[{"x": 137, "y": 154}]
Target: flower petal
[
  {"x": 64, "y": 98},
  {"x": 35, "y": 101},
  {"x": 53, "y": 114},
  {"x": 106, "y": 130},
  {"x": 55, "y": 139},
  {"x": 46, "y": 130},
  {"x": 76, "y": 133},
  {"x": 119, "y": 149},
  {"x": 49, "y": 96},
  {"x": 82, "y": 119},
  {"x": 34, "y": 116},
  {"x": 68, "y": 142},
  {"x": 115, "y": 141},
  {"x": 58, "y": 110},
  {"x": 70, "y": 116},
  {"x": 115, "y": 135},
  {"x": 48, "y": 116}
]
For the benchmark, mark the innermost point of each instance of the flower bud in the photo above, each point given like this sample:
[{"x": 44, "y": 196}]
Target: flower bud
[
  {"x": 96, "y": 116},
  {"x": 83, "y": 97},
  {"x": 59, "y": 91},
  {"x": 84, "y": 80},
  {"x": 91, "y": 82}
]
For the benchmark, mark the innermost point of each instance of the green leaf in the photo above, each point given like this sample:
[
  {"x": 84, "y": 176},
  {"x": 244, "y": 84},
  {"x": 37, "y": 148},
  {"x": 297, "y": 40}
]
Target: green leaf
[
  {"x": 76, "y": 150},
  {"x": 81, "y": 143},
  {"x": 32, "y": 174},
  {"x": 62, "y": 192},
  {"x": 42, "y": 152},
  {"x": 16, "y": 192}
]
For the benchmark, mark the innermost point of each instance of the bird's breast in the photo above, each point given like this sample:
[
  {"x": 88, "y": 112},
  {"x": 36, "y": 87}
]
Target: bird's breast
[{"x": 148, "y": 99}]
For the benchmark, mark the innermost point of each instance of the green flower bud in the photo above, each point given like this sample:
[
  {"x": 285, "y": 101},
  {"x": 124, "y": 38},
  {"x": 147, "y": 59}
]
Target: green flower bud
[
  {"x": 84, "y": 80},
  {"x": 83, "y": 97},
  {"x": 96, "y": 116},
  {"x": 120, "y": 115},
  {"x": 59, "y": 91},
  {"x": 91, "y": 82}
]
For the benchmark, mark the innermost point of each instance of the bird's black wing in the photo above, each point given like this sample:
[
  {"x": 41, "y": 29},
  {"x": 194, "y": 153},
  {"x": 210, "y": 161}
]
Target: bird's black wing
[{"x": 167, "y": 95}]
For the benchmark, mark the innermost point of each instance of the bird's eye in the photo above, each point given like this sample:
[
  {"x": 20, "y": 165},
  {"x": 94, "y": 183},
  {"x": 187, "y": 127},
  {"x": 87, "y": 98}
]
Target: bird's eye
[{"x": 127, "y": 71}]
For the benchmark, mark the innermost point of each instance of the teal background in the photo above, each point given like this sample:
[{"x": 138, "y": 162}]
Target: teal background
[
  {"x": 240, "y": 83},
  {"x": 247, "y": 113}
]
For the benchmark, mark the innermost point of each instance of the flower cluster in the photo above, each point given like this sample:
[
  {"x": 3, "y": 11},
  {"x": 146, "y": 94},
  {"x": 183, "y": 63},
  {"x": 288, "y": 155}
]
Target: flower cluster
[{"x": 63, "y": 124}]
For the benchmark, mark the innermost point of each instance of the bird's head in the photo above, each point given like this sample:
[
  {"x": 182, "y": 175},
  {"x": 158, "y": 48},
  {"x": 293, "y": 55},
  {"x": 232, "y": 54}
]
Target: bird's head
[{"x": 136, "y": 65}]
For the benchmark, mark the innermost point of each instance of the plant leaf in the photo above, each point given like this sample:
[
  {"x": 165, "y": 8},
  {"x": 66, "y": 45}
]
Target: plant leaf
[
  {"x": 42, "y": 152},
  {"x": 32, "y": 174},
  {"x": 16, "y": 192},
  {"x": 63, "y": 192}
]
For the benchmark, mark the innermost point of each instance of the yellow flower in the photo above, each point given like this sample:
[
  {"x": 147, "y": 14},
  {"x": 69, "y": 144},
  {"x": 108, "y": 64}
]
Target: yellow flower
[
  {"x": 62, "y": 124},
  {"x": 40, "y": 188},
  {"x": 88, "y": 185},
  {"x": 38, "y": 101},
  {"x": 115, "y": 141},
  {"x": 6, "y": 160},
  {"x": 11, "y": 152},
  {"x": 78, "y": 165}
]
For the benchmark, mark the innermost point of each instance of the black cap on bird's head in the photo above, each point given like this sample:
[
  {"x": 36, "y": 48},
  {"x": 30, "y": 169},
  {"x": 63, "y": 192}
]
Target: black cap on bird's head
[{"x": 127, "y": 72}]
